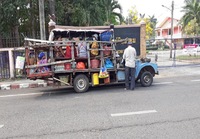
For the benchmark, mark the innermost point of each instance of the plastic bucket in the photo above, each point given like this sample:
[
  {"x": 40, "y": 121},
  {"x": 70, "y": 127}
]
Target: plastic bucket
[
  {"x": 95, "y": 78},
  {"x": 121, "y": 75},
  {"x": 107, "y": 80},
  {"x": 107, "y": 51},
  {"x": 94, "y": 63},
  {"x": 67, "y": 66}
]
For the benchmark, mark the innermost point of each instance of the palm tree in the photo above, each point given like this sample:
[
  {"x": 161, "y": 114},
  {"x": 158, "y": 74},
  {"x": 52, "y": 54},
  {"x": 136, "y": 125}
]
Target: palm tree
[
  {"x": 87, "y": 12},
  {"x": 110, "y": 6},
  {"x": 153, "y": 22},
  {"x": 192, "y": 12}
]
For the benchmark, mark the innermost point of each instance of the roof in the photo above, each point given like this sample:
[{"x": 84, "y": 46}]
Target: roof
[
  {"x": 165, "y": 20},
  {"x": 78, "y": 30},
  {"x": 95, "y": 27}
]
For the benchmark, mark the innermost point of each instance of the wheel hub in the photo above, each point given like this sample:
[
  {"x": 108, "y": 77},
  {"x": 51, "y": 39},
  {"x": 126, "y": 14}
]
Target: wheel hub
[
  {"x": 81, "y": 84},
  {"x": 146, "y": 79}
]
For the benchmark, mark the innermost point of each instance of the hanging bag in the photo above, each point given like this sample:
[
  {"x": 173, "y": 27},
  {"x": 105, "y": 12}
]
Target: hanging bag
[
  {"x": 94, "y": 46},
  {"x": 108, "y": 63},
  {"x": 103, "y": 73},
  {"x": 106, "y": 36}
]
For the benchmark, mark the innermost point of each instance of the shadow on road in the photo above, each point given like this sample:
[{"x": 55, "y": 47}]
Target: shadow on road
[
  {"x": 66, "y": 91},
  {"x": 69, "y": 92}
]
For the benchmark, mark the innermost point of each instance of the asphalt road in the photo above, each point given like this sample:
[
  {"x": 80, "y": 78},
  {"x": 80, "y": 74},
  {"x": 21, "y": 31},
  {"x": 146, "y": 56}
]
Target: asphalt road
[{"x": 169, "y": 109}]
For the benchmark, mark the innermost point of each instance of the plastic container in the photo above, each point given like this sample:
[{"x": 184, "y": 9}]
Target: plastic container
[
  {"x": 95, "y": 78},
  {"x": 121, "y": 75},
  {"x": 67, "y": 66},
  {"x": 94, "y": 63},
  {"x": 107, "y": 80},
  {"x": 107, "y": 50}
]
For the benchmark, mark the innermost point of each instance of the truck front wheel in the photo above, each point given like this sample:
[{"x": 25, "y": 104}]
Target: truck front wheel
[
  {"x": 146, "y": 79},
  {"x": 81, "y": 83}
]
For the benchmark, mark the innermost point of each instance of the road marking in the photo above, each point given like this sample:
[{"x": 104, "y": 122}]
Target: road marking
[
  {"x": 1, "y": 126},
  {"x": 77, "y": 97},
  {"x": 133, "y": 113},
  {"x": 164, "y": 83},
  {"x": 18, "y": 95},
  {"x": 195, "y": 80}
]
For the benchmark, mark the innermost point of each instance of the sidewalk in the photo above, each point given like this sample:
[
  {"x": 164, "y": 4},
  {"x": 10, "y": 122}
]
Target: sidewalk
[{"x": 23, "y": 83}]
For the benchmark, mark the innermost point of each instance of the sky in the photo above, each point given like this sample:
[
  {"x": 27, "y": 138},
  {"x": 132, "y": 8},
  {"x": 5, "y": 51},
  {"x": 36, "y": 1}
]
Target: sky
[{"x": 153, "y": 7}]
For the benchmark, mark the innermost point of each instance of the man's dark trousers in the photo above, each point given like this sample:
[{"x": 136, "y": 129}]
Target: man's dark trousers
[{"x": 130, "y": 75}]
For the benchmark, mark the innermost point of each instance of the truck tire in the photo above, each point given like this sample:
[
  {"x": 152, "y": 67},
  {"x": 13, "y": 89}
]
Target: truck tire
[
  {"x": 146, "y": 79},
  {"x": 81, "y": 83}
]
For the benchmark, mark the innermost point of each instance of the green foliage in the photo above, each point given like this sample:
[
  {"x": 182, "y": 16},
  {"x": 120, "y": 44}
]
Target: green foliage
[
  {"x": 23, "y": 15},
  {"x": 192, "y": 28},
  {"x": 188, "y": 57},
  {"x": 135, "y": 18},
  {"x": 11, "y": 14},
  {"x": 191, "y": 14}
]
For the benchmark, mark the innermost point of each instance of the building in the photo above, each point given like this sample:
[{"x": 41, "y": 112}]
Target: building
[{"x": 163, "y": 32}]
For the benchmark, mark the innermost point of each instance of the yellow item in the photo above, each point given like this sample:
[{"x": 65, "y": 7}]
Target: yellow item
[
  {"x": 94, "y": 46},
  {"x": 95, "y": 78}
]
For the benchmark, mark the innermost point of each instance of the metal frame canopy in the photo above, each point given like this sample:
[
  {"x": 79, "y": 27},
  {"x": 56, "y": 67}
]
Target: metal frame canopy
[{"x": 73, "y": 32}]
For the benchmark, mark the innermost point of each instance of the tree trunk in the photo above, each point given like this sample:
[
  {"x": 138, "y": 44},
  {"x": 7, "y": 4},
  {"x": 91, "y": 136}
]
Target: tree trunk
[
  {"x": 16, "y": 31},
  {"x": 52, "y": 7},
  {"x": 32, "y": 20}
]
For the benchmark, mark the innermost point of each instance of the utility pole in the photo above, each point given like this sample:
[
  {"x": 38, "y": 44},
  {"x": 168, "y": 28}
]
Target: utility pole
[
  {"x": 172, "y": 28},
  {"x": 52, "y": 6},
  {"x": 42, "y": 20}
]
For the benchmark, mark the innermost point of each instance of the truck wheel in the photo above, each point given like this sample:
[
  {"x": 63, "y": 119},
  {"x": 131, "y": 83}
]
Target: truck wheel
[
  {"x": 81, "y": 83},
  {"x": 146, "y": 79}
]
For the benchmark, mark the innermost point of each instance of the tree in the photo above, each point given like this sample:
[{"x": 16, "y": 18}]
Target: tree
[
  {"x": 153, "y": 22},
  {"x": 191, "y": 28},
  {"x": 191, "y": 13},
  {"x": 19, "y": 16},
  {"x": 135, "y": 18},
  {"x": 13, "y": 13},
  {"x": 110, "y": 7}
]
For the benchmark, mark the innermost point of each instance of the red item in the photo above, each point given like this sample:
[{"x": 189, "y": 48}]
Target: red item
[
  {"x": 107, "y": 50},
  {"x": 67, "y": 66},
  {"x": 94, "y": 63},
  {"x": 68, "y": 53},
  {"x": 80, "y": 65},
  {"x": 107, "y": 80}
]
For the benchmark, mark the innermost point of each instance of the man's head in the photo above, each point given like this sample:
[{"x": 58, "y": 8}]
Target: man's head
[
  {"x": 129, "y": 43},
  {"x": 95, "y": 37},
  {"x": 41, "y": 55}
]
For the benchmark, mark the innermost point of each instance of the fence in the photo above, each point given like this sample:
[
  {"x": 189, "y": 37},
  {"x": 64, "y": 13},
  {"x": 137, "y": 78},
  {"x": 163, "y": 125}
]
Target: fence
[
  {"x": 4, "y": 65},
  {"x": 8, "y": 58},
  {"x": 11, "y": 41}
]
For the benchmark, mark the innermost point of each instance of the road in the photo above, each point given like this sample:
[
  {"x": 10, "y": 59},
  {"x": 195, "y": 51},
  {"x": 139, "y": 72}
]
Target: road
[{"x": 169, "y": 109}]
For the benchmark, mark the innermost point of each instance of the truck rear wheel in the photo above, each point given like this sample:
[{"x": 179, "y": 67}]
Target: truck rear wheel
[
  {"x": 81, "y": 83},
  {"x": 146, "y": 79}
]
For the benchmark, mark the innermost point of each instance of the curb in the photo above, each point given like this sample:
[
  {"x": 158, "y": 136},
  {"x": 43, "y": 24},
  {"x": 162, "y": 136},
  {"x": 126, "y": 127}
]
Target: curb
[{"x": 21, "y": 86}]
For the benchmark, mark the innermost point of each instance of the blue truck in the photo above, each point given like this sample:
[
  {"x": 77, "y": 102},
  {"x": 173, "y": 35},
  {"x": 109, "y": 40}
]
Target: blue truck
[{"x": 82, "y": 72}]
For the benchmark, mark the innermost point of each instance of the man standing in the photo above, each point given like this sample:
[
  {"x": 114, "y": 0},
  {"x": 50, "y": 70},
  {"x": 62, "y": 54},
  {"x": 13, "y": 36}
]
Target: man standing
[{"x": 129, "y": 56}]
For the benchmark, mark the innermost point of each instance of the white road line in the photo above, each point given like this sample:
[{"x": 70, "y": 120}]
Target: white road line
[
  {"x": 164, "y": 83},
  {"x": 195, "y": 80},
  {"x": 133, "y": 113},
  {"x": 1, "y": 126},
  {"x": 18, "y": 95}
]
